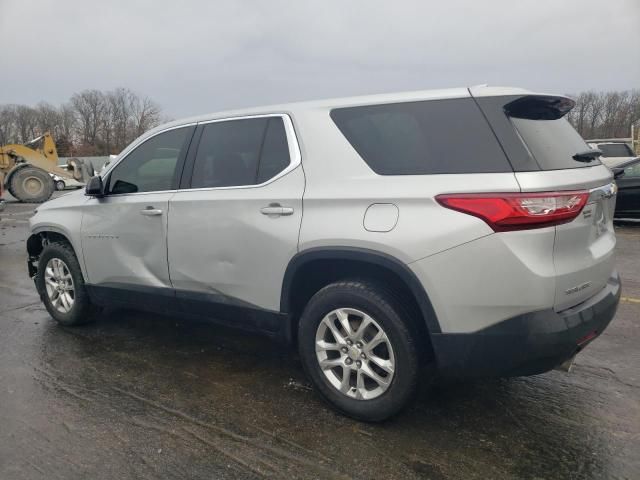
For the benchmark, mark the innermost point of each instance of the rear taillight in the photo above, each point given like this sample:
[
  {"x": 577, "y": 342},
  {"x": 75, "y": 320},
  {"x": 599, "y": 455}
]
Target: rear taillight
[{"x": 505, "y": 212}]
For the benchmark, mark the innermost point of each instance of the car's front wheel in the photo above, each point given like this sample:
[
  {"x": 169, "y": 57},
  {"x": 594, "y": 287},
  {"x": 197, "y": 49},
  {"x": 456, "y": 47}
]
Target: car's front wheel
[
  {"x": 358, "y": 349},
  {"x": 61, "y": 287}
]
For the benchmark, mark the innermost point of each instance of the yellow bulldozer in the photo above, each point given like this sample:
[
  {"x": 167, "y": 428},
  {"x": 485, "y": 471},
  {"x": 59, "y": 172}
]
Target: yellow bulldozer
[{"x": 26, "y": 170}]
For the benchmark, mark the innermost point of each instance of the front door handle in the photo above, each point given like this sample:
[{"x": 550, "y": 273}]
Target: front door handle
[
  {"x": 276, "y": 210},
  {"x": 151, "y": 212}
]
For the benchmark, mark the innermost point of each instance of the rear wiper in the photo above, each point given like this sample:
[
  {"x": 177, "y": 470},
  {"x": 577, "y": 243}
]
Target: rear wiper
[{"x": 587, "y": 155}]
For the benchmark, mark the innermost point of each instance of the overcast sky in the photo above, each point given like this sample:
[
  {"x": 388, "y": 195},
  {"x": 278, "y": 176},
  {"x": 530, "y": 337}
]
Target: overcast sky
[{"x": 206, "y": 55}]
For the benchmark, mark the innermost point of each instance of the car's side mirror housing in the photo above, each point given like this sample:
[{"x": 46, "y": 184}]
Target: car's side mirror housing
[
  {"x": 95, "y": 187},
  {"x": 617, "y": 172}
]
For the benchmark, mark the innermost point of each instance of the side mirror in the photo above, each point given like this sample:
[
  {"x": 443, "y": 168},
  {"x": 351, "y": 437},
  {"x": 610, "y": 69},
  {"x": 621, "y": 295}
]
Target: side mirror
[
  {"x": 617, "y": 172},
  {"x": 94, "y": 187}
]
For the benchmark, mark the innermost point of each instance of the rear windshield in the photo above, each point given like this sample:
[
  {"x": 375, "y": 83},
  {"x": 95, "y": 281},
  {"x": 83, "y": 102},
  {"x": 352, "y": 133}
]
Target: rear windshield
[
  {"x": 421, "y": 138},
  {"x": 615, "y": 150},
  {"x": 553, "y": 143}
]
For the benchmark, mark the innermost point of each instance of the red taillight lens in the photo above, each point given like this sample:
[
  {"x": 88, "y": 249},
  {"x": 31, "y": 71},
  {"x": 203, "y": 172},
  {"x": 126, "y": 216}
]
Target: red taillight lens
[{"x": 505, "y": 212}]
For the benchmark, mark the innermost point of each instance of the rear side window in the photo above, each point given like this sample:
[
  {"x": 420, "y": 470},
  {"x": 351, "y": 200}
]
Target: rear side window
[
  {"x": 240, "y": 152},
  {"x": 275, "y": 151},
  {"x": 421, "y": 138},
  {"x": 553, "y": 143},
  {"x": 534, "y": 133}
]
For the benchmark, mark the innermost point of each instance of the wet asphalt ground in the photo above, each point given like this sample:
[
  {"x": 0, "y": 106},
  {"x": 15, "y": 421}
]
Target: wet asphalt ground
[{"x": 143, "y": 396}]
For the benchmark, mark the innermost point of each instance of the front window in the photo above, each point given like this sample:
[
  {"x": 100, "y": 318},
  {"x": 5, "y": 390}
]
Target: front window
[{"x": 151, "y": 166}]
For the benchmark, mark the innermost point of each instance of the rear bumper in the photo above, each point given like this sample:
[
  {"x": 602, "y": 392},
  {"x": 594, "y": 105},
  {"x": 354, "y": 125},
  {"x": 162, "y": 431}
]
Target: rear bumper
[{"x": 527, "y": 344}]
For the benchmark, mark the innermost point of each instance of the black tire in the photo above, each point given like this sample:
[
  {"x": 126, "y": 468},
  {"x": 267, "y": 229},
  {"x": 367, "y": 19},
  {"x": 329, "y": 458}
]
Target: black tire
[
  {"x": 82, "y": 311},
  {"x": 60, "y": 185},
  {"x": 7, "y": 183},
  {"x": 389, "y": 312},
  {"x": 31, "y": 185}
]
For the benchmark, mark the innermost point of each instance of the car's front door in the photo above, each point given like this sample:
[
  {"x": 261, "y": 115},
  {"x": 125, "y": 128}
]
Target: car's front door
[
  {"x": 124, "y": 234},
  {"x": 235, "y": 227}
]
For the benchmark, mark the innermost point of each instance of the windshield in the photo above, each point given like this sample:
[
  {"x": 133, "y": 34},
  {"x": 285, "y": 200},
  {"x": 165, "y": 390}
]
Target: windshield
[{"x": 615, "y": 150}]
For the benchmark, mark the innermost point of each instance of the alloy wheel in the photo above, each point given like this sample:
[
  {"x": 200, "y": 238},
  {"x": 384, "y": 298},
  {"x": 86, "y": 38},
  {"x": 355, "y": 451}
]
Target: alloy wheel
[
  {"x": 355, "y": 353},
  {"x": 59, "y": 285}
]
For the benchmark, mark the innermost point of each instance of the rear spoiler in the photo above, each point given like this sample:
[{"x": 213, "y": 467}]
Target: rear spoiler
[{"x": 539, "y": 107}]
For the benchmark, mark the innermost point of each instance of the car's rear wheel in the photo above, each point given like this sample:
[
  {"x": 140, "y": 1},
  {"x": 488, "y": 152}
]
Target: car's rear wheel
[
  {"x": 61, "y": 286},
  {"x": 357, "y": 346}
]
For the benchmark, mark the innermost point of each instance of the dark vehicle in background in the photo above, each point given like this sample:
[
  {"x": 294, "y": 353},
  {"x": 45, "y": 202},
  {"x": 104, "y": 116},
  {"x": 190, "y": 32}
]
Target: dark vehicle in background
[
  {"x": 628, "y": 202},
  {"x": 619, "y": 156}
]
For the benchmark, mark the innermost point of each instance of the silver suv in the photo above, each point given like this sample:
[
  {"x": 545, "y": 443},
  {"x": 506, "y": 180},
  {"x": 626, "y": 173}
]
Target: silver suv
[{"x": 466, "y": 229}]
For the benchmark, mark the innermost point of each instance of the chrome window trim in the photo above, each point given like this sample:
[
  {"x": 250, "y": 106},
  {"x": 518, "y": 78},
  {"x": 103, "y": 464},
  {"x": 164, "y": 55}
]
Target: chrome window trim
[
  {"x": 295, "y": 157},
  {"x": 116, "y": 195}
]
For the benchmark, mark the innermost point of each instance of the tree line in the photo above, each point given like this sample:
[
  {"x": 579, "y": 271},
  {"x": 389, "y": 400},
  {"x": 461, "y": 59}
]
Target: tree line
[
  {"x": 92, "y": 122},
  {"x": 95, "y": 122},
  {"x": 606, "y": 114}
]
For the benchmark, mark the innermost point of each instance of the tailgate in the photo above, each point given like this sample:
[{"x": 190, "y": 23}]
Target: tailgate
[
  {"x": 548, "y": 155},
  {"x": 583, "y": 249}
]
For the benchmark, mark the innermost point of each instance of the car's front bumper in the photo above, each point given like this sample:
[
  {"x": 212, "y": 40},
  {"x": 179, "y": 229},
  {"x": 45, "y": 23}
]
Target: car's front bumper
[{"x": 527, "y": 344}]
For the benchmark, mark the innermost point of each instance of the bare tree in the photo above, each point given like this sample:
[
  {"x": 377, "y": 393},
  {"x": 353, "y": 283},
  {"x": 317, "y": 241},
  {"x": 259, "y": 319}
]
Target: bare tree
[
  {"x": 578, "y": 115},
  {"x": 68, "y": 121},
  {"x": 26, "y": 119},
  {"x": 48, "y": 118},
  {"x": 8, "y": 130},
  {"x": 89, "y": 106},
  {"x": 145, "y": 113},
  {"x": 595, "y": 114},
  {"x": 119, "y": 109},
  {"x": 92, "y": 122}
]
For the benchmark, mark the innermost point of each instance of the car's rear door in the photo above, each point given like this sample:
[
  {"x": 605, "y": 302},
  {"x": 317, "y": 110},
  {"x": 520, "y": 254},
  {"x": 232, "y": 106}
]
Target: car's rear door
[
  {"x": 234, "y": 227},
  {"x": 545, "y": 152}
]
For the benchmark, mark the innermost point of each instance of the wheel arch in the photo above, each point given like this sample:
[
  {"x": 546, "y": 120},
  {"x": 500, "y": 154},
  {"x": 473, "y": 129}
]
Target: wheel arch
[
  {"x": 382, "y": 262},
  {"x": 37, "y": 240}
]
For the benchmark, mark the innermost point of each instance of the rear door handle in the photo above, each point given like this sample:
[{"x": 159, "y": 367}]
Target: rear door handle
[
  {"x": 276, "y": 210},
  {"x": 151, "y": 212}
]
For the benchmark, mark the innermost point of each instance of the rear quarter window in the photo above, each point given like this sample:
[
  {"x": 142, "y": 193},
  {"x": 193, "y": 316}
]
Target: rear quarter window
[
  {"x": 553, "y": 143},
  {"x": 534, "y": 133},
  {"x": 422, "y": 138}
]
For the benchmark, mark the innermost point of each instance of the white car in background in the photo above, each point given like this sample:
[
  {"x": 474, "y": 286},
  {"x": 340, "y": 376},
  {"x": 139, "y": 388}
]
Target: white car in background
[{"x": 62, "y": 183}]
